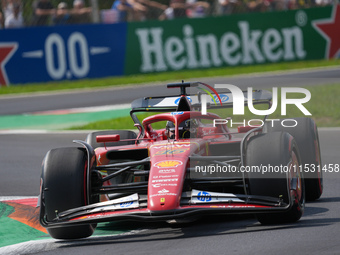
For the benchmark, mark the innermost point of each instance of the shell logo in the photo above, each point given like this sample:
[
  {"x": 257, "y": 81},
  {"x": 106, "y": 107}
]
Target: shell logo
[{"x": 168, "y": 163}]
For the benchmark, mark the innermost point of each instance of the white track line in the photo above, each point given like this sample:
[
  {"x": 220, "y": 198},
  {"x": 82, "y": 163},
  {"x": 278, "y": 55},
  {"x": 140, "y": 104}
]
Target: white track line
[
  {"x": 84, "y": 109},
  {"x": 16, "y": 198}
]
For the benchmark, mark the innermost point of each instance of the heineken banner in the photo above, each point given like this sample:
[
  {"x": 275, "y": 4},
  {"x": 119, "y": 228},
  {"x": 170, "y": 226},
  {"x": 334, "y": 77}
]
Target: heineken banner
[
  {"x": 233, "y": 40},
  {"x": 42, "y": 54}
]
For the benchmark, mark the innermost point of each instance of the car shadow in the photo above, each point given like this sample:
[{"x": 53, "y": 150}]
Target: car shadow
[
  {"x": 325, "y": 200},
  {"x": 217, "y": 225}
]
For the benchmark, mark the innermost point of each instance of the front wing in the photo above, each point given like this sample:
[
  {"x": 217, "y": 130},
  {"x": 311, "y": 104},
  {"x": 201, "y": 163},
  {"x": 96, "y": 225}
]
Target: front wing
[{"x": 134, "y": 207}]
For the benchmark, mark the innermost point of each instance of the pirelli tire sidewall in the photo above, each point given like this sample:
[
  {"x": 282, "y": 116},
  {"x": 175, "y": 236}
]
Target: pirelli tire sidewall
[
  {"x": 275, "y": 149},
  {"x": 306, "y": 136},
  {"x": 64, "y": 187}
]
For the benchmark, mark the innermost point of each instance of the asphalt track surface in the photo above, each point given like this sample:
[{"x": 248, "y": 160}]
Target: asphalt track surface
[
  {"x": 317, "y": 232},
  {"x": 125, "y": 95}
]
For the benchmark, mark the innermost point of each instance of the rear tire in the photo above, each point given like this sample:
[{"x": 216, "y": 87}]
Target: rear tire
[
  {"x": 276, "y": 149},
  {"x": 307, "y": 139},
  {"x": 124, "y": 134},
  {"x": 64, "y": 187}
]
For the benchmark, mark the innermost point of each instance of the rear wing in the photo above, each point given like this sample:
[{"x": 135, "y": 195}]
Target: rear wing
[{"x": 221, "y": 100}]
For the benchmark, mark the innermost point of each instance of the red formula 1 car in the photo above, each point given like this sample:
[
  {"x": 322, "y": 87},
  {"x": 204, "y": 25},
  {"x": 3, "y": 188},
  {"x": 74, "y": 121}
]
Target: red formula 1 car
[{"x": 181, "y": 164}]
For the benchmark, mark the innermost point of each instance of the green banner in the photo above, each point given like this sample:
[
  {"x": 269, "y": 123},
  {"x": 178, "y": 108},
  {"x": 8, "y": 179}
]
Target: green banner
[{"x": 257, "y": 38}]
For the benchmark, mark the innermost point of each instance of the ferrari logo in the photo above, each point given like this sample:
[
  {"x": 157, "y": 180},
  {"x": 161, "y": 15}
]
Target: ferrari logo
[{"x": 162, "y": 200}]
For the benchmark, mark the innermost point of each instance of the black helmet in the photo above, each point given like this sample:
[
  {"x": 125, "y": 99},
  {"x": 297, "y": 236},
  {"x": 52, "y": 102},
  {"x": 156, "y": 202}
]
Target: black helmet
[
  {"x": 188, "y": 128},
  {"x": 170, "y": 129}
]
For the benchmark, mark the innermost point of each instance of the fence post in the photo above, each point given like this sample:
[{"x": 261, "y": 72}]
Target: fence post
[{"x": 95, "y": 11}]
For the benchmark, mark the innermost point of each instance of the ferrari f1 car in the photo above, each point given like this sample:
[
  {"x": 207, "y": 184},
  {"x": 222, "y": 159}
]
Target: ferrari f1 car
[{"x": 179, "y": 165}]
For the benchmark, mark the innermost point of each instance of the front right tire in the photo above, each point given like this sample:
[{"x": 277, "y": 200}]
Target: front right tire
[
  {"x": 306, "y": 136},
  {"x": 274, "y": 150}
]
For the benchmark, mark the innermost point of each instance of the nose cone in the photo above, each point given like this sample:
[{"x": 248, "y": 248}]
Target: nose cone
[
  {"x": 167, "y": 174},
  {"x": 165, "y": 184}
]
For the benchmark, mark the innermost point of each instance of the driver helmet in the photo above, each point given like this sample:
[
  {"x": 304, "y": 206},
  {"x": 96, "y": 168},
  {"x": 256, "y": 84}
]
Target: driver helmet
[
  {"x": 170, "y": 129},
  {"x": 186, "y": 129}
]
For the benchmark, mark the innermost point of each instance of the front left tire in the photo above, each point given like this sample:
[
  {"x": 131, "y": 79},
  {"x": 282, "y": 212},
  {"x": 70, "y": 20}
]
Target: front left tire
[{"x": 64, "y": 178}]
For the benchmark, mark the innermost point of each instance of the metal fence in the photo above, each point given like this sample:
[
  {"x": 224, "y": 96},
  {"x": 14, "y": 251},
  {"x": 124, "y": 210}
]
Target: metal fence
[{"x": 18, "y": 13}]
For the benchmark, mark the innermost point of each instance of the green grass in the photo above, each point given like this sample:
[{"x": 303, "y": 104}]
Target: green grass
[
  {"x": 117, "y": 123},
  {"x": 324, "y": 107},
  {"x": 162, "y": 77},
  {"x": 324, "y": 104}
]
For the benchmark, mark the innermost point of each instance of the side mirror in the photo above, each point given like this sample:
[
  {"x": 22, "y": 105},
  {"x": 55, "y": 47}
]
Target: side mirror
[
  {"x": 242, "y": 129},
  {"x": 107, "y": 138}
]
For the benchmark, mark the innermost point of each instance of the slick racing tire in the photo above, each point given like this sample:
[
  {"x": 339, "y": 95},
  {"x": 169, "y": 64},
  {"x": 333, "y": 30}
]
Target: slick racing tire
[
  {"x": 307, "y": 139},
  {"x": 124, "y": 134},
  {"x": 64, "y": 187},
  {"x": 275, "y": 150}
]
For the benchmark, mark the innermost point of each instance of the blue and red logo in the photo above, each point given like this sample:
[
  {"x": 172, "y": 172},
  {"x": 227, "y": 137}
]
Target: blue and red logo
[
  {"x": 6, "y": 52},
  {"x": 329, "y": 29}
]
